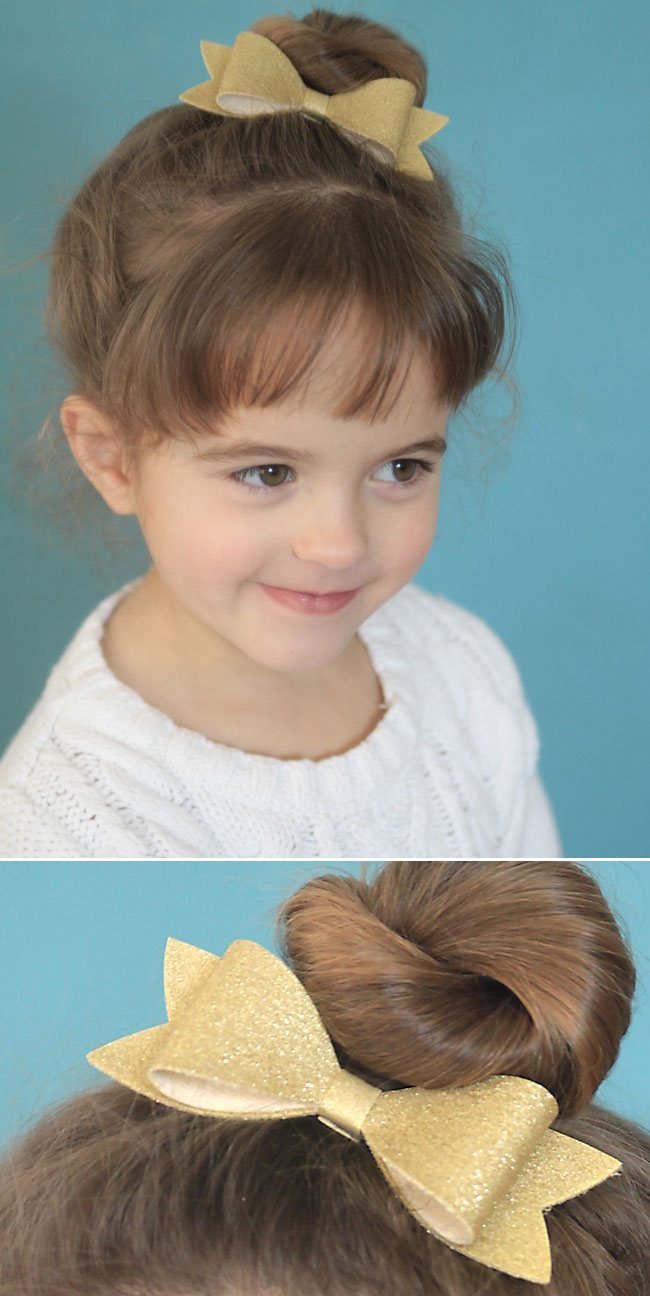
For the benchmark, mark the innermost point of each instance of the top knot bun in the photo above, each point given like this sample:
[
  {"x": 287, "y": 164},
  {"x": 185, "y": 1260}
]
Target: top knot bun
[
  {"x": 440, "y": 974},
  {"x": 333, "y": 52}
]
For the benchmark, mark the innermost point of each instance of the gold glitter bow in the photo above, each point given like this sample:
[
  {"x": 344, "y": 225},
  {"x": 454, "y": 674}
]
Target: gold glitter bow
[
  {"x": 255, "y": 76},
  {"x": 477, "y": 1166}
]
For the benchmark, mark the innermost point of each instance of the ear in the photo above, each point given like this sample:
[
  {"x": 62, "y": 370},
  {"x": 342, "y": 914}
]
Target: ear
[{"x": 99, "y": 452}]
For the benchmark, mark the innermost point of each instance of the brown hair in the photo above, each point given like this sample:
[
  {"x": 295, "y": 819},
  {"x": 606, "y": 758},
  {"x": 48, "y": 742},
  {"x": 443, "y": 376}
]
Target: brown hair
[
  {"x": 117, "y": 1194},
  {"x": 208, "y": 260},
  {"x": 463, "y": 959}
]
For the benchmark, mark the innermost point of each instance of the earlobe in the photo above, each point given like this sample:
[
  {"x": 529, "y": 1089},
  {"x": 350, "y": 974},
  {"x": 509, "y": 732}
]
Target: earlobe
[{"x": 98, "y": 451}]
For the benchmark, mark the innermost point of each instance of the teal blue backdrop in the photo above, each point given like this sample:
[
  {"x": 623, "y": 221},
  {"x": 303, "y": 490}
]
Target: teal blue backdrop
[
  {"x": 82, "y": 946},
  {"x": 548, "y": 143}
]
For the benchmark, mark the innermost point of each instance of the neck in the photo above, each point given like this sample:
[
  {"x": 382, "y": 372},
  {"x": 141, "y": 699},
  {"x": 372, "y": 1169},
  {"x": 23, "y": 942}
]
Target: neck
[{"x": 202, "y": 682}]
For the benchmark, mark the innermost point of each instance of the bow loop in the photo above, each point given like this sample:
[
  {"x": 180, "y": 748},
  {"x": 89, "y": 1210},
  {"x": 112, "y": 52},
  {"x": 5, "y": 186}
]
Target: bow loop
[
  {"x": 255, "y": 76},
  {"x": 252, "y": 1054},
  {"x": 462, "y": 1147}
]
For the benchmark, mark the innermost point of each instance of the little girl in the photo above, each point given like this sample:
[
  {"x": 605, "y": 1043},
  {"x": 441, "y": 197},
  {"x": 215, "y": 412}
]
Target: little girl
[
  {"x": 269, "y": 309},
  {"x": 509, "y": 1012}
]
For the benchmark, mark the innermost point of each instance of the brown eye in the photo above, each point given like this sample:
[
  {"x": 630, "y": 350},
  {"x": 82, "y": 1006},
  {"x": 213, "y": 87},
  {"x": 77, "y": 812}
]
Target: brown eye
[
  {"x": 404, "y": 469},
  {"x": 272, "y": 474},
  {"x": 263, "y": 475}
]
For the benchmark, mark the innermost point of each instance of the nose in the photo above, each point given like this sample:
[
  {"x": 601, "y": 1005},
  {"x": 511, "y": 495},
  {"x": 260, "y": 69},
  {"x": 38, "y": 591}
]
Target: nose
[{"x": 332, "y": 536}]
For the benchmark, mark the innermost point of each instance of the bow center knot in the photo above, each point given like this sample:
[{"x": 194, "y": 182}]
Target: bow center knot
[
  {"x": 346, "y": 1104},
  {"x": 314, "y": 103}
]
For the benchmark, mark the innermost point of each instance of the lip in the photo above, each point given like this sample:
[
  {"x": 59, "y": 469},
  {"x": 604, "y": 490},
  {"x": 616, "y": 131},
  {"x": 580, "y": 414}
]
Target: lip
[{"x": 309, "y": 602}]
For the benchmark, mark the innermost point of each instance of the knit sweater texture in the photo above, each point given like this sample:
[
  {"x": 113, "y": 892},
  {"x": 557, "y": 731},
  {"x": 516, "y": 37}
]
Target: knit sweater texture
[{"x": 449, "y": 771}]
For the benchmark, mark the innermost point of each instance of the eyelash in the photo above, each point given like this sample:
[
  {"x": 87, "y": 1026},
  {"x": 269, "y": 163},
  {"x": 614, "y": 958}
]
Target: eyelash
[{"x": 425, "y": 468}]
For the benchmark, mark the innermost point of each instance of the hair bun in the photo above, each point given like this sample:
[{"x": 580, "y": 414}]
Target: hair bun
[
  {"x": 440, "y": 974},
  {"x": 336, "y": 52}
]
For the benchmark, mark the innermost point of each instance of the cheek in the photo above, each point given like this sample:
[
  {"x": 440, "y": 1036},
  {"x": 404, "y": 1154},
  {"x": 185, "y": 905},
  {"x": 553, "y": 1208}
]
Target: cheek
[
  {"x": 199, "y": 538},
  {"x": 410, "y": 542}
]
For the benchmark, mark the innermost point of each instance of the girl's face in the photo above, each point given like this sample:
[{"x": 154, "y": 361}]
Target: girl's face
[{"x": 281, "y": 533}]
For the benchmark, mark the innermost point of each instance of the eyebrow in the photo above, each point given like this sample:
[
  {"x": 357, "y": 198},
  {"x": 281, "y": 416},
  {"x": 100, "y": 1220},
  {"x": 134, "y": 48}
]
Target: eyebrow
[{"x": 232, "y": 450}]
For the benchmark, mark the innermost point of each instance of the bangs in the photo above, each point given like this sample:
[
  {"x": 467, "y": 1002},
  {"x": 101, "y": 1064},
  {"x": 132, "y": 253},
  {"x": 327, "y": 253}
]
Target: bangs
[
  {"x": 354, "y": 360},
  {"x": 354, "y": 363},
  {"x": 251, "y": 305}
]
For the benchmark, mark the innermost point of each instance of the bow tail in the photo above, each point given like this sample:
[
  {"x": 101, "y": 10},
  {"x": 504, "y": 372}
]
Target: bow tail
[
  {"x": 421, "y": 125},
  {"x": 571, "y": 1167},
  {"x": 185, "y": 967},
  {"x": 204, "y": 95},
  {"x": 128, "y": 1060},
  {"x": 514, "y": 1239}
]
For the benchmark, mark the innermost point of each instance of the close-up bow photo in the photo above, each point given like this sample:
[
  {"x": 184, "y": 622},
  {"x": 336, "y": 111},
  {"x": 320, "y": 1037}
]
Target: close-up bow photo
[{"x": 416, "y": 1078}]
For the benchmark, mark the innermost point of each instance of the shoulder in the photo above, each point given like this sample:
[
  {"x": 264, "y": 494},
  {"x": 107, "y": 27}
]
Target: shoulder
[
  {"x": 440, "y": 635},
  {"x": 95, "y": 772},
  {"x": 456, "y": 676},
  {"x": 42, "y": 764},
  {"x": 79, "y": 672},
  {"x": 470, "y": 729}
]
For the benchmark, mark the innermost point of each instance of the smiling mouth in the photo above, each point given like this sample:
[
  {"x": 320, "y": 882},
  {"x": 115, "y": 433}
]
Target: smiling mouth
[{"x": 310, "y": 601}]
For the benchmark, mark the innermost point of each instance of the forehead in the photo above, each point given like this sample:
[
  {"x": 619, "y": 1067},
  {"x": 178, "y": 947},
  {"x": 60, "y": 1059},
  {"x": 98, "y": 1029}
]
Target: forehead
[
  {"x": 304, "y": 427},
  {"x": 318, "y": 405},
  {"x": 343, "y": 363},
  {"x": 346, "y": 361},
  {"x": 293, "y": 384}
]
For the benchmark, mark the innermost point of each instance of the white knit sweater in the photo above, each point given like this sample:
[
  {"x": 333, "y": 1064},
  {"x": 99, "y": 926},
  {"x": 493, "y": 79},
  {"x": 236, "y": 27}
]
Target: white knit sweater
[{"x": 448, "y": 772}]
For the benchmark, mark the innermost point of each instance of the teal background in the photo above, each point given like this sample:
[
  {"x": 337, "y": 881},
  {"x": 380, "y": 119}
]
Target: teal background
[
  {"x": 548, "y": 143},
  {"x": 82, "y": 947}
]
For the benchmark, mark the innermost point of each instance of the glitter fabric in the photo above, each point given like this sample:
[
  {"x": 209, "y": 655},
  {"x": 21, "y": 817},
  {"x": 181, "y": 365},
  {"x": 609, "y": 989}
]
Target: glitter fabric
[
  {"x": 185, "y": 966},
  {"x": 477, "y": 1165},
  {"x": 484, "y": 1134},
  {"x": 255, "y": 76},
  {"x": 347, "y": 1103}
]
